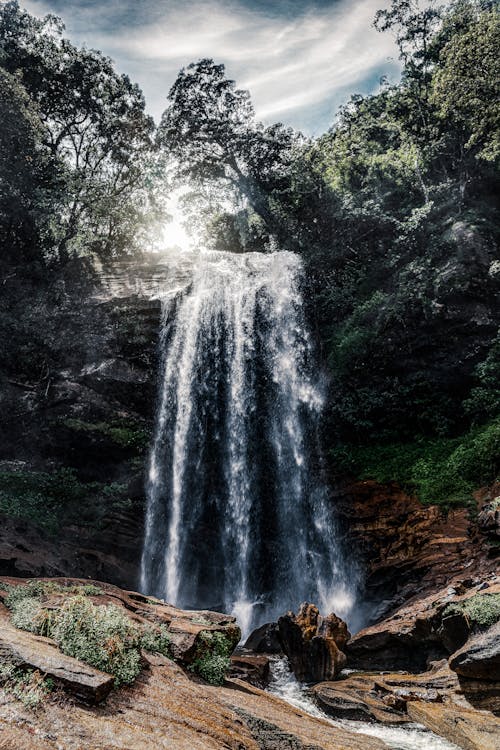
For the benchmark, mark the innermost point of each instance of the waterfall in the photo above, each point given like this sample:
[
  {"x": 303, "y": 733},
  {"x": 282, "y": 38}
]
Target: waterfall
[{"x": 238, "y": 517}]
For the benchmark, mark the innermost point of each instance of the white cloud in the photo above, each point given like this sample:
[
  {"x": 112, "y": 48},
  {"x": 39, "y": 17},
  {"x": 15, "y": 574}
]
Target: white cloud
[{"x": 293, "y": 66}]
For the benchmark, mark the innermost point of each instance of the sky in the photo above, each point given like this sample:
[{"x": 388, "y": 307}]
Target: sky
[{"x": 299, "y": 60}]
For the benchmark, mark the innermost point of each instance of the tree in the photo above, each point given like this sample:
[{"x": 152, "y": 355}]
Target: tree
[
  {"x": 94, "y": 121},
  {"x": 466, "y": 85},
  {"x": 29, "y": 185},
  {"x": 210, "y": 131}
]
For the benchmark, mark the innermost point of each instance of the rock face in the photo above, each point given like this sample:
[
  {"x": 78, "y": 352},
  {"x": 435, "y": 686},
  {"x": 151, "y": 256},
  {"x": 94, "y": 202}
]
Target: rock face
[
  {"x": 408, "y": 549},
  {"x": 479, "y": 658},
  {"x": 418, "y": 632},
  {"x": 313, "y": 643}
]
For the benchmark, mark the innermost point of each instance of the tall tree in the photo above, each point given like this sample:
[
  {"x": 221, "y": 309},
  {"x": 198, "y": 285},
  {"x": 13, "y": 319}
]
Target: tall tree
[
  {"x": 94, "y": 121},
  {"x": 209, "y": 129}
]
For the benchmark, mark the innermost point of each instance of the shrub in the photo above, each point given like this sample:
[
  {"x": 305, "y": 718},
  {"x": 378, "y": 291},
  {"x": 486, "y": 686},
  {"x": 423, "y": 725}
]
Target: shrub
[
  {"x": 444, "y": 471},
  {"x": 38, "y": 589},
  {"x": 103, "y": 637},
  {"x": 156, "y": 641},
  {"x": 212, "y": 660},
  {"x": 483, "y": 610},
  {"x": 28, "y": 686}
]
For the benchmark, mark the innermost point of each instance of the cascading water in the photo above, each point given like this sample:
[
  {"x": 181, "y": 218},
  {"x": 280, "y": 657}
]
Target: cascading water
[{"x": 238, "y": 518}]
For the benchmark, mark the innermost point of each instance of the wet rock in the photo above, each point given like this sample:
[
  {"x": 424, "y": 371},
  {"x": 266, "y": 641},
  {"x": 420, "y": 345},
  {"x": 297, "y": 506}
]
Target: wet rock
[
  {"x": 265, "y": 639},
  {"x": 252, "y": 668},
  {"x": 466, "y": 727},
  {"x": 479, "y": 658},
  {"x": 418, "y": 632},
  {"x": 310, "y": 643},
  {"x": 359, "y": 698},
  {"x": 26, "y": 650}
]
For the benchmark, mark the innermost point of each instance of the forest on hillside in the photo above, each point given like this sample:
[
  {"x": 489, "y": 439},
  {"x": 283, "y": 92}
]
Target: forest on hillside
[{"x": 393, "y": 210}]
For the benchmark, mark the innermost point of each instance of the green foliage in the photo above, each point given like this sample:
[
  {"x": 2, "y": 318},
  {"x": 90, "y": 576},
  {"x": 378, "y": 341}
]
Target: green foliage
[
  {"x": 49, "y": 500},
  {"x": 123, "y": 432},
  {"x": 466, "y": 85},
  {"x": 212, "y": 660},
  {"x": 28, "y": 686},
  {"x": 103, "y": 637},
  {"x": 445, "y": 471},
  {"x": 92, "y": 128},
  {"x": 39, "y": 496},
  {"x": 36, "y": 589},
  {"x": 156, "y": 640},
  {"x": 482, "y": 610}
]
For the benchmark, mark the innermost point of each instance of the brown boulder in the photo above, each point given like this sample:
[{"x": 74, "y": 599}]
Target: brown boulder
[
  {"x": 252, "y": 668},
  {"x": 311, "y": 643}
]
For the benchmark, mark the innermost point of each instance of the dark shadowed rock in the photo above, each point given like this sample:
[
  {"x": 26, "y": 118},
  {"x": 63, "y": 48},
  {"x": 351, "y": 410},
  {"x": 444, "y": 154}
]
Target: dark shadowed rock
[
  {"x": 310, "y": 643},
  {"x": 480, "y": 657},
  {"x": 265, "y": 639},
  {"x": 252, "y": 668}
]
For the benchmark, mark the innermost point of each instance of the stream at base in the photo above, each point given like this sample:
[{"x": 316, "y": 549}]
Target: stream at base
[{"x": 410, "y": 737}]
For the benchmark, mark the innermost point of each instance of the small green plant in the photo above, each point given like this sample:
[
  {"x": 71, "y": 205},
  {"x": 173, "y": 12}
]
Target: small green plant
[
  {"x": 28, "y": 686},
  {"x": 212, "y": 660},
  {"x": 36, "y": 589},
  {"x": 156, "y": 640},
  {"x": 103, "y": 637},
  {"x": 482, "y": 610}
]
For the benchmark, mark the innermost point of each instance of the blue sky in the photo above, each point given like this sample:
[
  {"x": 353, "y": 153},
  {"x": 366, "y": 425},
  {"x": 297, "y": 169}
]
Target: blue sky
[{"x": 300, "y": 60}]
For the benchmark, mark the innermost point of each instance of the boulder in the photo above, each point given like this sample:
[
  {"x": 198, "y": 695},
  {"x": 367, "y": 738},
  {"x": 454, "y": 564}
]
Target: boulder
[
  {"x": 252, "y": 668},
  {"x": 466, "y": 727},
  {"x": 265, "y": 639},
  {"x": 480, "y": 657},
  {"x": 423, "y": 630},
  {"x": 311, "y": 643},
  {"x": 26, "y": 650},
  {"x": 384, "y": 697}
]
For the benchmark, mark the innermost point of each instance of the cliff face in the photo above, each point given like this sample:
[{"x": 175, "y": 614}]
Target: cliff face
[
  {"x": 408, "y": 549},
  {"x": 74, "y": 437}
]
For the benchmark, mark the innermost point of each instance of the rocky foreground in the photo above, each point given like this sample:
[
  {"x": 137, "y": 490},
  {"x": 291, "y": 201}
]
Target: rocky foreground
[{"x": 167, "y": 706}]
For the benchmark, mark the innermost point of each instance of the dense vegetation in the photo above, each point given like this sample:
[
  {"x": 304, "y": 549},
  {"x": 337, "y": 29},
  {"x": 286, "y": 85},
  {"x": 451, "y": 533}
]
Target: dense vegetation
[{"x": 393, "y": 211}]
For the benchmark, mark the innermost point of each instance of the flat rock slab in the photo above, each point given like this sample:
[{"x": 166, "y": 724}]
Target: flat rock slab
[
  {"x": 467, "y": 728},
  {"x": 27, "y": 650}
]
